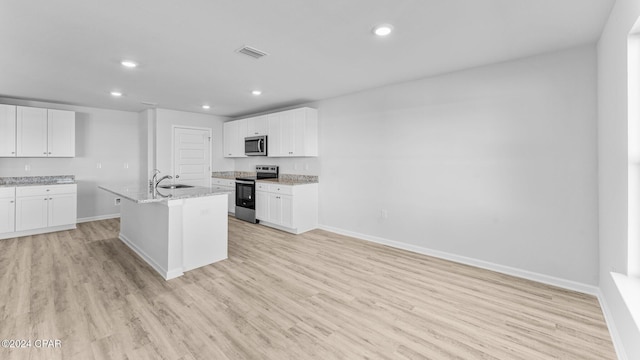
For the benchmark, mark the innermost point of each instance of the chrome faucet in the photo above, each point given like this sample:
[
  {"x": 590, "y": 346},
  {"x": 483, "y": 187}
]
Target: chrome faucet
[
  {"x": 152, "y": 182},
  {"x": 162, "y": 178}
]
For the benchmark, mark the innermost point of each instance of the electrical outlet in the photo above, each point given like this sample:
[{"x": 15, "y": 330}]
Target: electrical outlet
[
  {"x": 99, "y": 166},
  {"x": 116, "y": 201},
  {"x": 126, "y": 165},
  {"x": 27, "y": 168},
  {"x": 384, "y": 214}
]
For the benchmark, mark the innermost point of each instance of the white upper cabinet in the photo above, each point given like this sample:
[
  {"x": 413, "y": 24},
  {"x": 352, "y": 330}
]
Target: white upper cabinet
[
  {"x": 293, "y": 133},
  {"x": 290, "y": 133},
  {"x": 31, "y": 132},
  {"x": 234, "y": 133},
  {"x": 7, "y": 130},
  {"x": 61, "y": 133},
  {"x": 257, "y": 126},
  {"x": 45, "y": 133}
]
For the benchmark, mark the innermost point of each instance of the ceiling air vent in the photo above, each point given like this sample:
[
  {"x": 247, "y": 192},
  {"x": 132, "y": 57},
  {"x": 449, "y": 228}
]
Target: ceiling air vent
[{"x": 249, "y": 51}]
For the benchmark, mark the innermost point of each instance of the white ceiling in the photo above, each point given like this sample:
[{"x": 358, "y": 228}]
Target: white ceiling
[{"x": 68, "y": 51}]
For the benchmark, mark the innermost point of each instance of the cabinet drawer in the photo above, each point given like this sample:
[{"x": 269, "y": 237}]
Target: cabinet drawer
[
  {"x": 45, "y": 190},
  {"x": 262, "y": 186},
  {"x": 223, "y": 182},
  {"x": 7, "y": 192},
  {"x": 281, "y": 189}
]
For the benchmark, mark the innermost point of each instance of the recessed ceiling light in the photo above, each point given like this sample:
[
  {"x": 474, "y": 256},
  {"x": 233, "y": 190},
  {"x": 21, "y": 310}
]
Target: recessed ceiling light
[
  {"x": 256, "y": 92},
  {"x": 206, "y": 107},
  {"x": 116, "y": 93},
  {"x": 128, "y": 63},
  {"x": 383, "y": 30}
]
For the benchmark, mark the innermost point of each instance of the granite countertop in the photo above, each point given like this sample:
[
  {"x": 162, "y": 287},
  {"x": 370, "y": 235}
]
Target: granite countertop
[
  {"x": 284, "y": 179},
  {"x": 288, "y": 181},
  {"x": 140, "y": 194},
  {"x": 226, "y": 177},
  {"x": 37, "y": 180}
]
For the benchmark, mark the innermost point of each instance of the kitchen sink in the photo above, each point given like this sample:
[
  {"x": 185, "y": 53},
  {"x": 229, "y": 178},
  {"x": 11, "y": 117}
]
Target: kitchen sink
[{"x": 175, "y": 186}]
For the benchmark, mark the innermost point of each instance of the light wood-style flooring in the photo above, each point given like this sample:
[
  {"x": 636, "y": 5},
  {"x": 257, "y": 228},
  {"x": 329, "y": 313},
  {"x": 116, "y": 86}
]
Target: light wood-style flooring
[{"x": 280, "y": 296}]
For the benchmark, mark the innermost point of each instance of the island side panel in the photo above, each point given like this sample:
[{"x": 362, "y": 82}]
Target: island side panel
[
  {"x": 205, "y": 231},
  {"x": 145, "y": 229}
]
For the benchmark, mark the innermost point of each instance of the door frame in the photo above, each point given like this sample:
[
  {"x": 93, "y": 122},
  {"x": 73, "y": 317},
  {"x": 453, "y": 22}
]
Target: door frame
[{"x": 173, "y": 146}]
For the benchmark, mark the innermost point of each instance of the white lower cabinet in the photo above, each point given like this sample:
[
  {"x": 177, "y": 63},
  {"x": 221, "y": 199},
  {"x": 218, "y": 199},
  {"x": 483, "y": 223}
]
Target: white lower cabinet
[
  {"x": 262, "y": 203},
  {"x": 41, "y": 209},
  {"x": 229, "y": 185},
  {"x": 31, "y": 212},
  {"x": 292, "y": 208},
  {"x": 280, "y": 210},
  {"x": 7, "y": 210}
]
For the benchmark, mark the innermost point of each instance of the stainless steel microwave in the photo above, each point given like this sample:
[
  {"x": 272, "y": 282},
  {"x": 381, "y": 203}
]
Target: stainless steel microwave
[{"x": 255, "y": 145}]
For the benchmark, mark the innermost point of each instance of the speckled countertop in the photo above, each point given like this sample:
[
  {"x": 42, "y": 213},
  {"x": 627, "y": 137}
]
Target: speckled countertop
[
  {"x": 287, "y": 181},
  {"x": 227, "y": 177},
  {"x": 141, "y": 194},
  {"x": 37, "y": 180},
  {"x": 284, "y": 179}
]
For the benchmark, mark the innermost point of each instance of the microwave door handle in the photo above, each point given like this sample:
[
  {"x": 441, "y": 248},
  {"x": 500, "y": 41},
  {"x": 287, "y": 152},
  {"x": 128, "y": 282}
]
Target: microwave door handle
[{"x": 260, "y": 146}]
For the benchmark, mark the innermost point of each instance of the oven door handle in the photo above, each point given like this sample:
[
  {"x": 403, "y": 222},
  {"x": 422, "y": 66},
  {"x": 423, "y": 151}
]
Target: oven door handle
[{"x": 245, "y": 182}]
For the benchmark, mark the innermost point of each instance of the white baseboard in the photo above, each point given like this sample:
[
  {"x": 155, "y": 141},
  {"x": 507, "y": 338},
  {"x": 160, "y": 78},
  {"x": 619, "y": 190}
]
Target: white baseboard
[
  {"x": 613, "y": 331},
  {"x": 167, "y": 275},
  {"x": 96, "y": 218},
  {"x": 39, "y": 231},
  {"x": 525, "y": 274}
]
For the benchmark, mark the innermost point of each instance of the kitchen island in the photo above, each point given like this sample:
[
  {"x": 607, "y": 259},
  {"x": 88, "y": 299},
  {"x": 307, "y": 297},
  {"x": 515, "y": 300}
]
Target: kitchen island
[{"x": 174, "y": 230}]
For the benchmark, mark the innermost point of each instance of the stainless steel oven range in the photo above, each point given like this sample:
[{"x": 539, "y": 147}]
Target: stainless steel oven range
[{"x": 246, "y": 192}]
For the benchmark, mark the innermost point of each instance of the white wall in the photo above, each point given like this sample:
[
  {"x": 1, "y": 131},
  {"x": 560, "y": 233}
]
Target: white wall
[
  {"x": 612, "y": 162},
  {"x": 108, "y": 137},
  {"x": 496, "y": 163},
  {"x": 165, "y": 119},
  {"x": 146, "y": 142}
]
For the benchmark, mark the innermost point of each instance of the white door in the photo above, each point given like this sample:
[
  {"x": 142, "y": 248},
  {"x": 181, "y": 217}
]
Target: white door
[
  {"x": 62, "y": 209},
  {"x": 61, "y": 133},
  {"x": 274, "y": 140},
  {"x": 31, "y": 212},
  {"x": 31, "y": 132},
  {"x": 287, "y": 132},
  {"x": 7, "y": 130},
  {"x": 262, "y": 205},
  {"x": 230, "y": 134},
  {"x": 192, "y": 156},
  {"x": 7, "y": 215},
  {"x": 287, "y": 210},
  {"x": 274, "y": 210},
  {"x": 257, "y": 126},
  {"x": 240, "y": 135}
]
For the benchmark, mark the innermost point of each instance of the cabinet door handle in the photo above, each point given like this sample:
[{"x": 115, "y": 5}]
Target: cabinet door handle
[
  {"x": 45, "y": 153},
  {"x": 49, "y": 152},
  {"x": 47, "y": 189},
  {"x": 50, "y": 198},
  {"x": 46, "y": 199},
  {"x": 13, "y": 152},
  {"x": 11, "y": 202}
]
